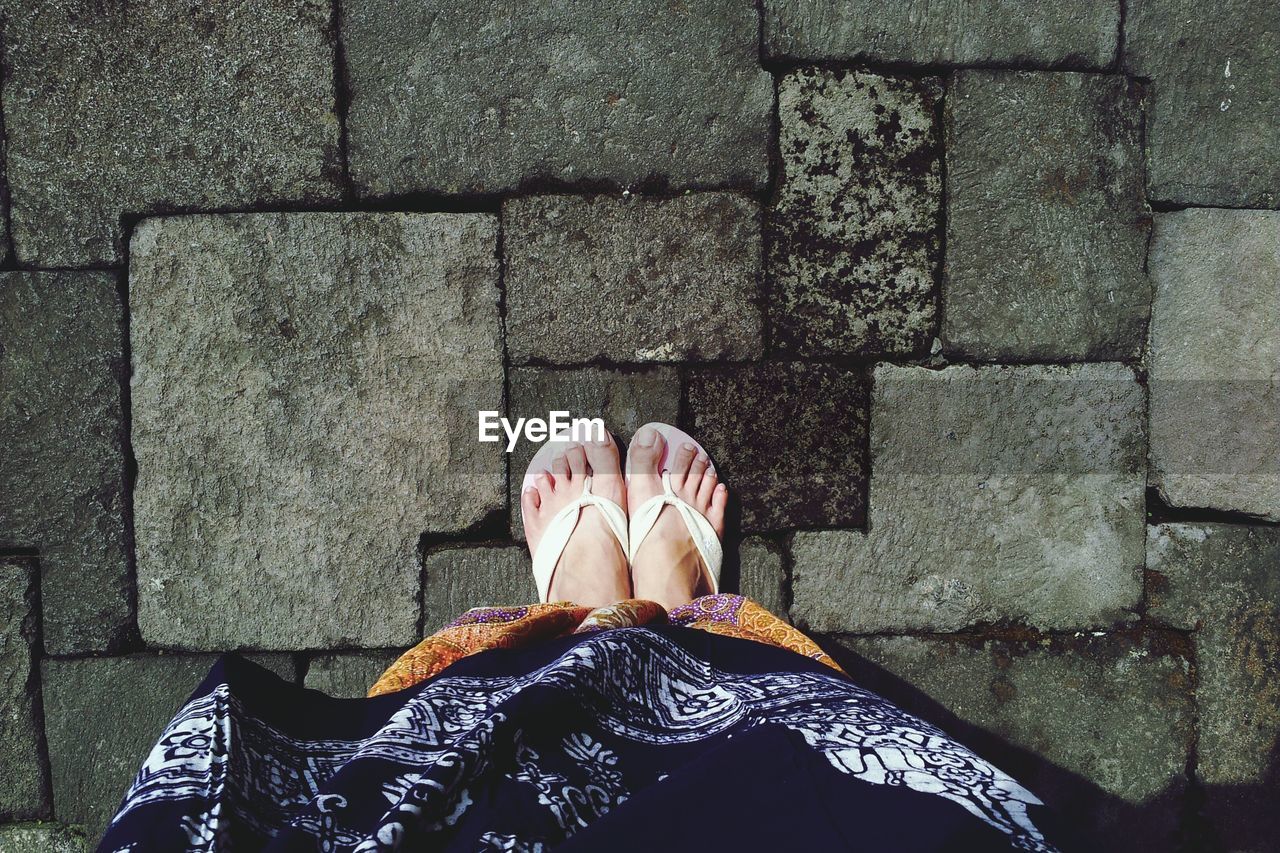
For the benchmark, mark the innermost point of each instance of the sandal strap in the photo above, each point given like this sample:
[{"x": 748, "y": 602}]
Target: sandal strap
[
  {"x": 700, "y": 530},
  {"x": 561, "y": 527}
]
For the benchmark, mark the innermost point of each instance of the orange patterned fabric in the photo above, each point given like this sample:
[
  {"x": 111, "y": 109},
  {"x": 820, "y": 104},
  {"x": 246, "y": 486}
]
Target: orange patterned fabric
[{"x": 484, "y": 628}]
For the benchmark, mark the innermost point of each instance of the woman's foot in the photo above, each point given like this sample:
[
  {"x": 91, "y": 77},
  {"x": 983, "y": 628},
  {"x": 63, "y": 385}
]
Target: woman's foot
[
  {"x": 592, "y": 571},
  {"x": 667, "y": 568}
]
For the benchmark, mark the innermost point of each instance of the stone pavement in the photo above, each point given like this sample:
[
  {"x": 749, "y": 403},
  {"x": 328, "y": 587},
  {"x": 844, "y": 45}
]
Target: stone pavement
[{"x": 974, "y": 303}]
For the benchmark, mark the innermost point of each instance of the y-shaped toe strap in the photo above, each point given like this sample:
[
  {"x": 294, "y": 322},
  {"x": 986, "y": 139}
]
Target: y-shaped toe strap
[
  {"x": 561, "y": 527},
  {"x": 700, "y": 530}
]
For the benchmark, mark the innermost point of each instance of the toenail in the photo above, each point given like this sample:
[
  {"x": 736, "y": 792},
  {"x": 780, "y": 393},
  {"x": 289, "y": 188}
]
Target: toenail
[
  {"x": 646, "y": 437},
  {"x": 688, "y": 446}
]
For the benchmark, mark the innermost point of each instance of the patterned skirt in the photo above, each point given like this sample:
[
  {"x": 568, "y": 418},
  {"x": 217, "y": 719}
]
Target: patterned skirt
[{"x": 717, "y": 726}]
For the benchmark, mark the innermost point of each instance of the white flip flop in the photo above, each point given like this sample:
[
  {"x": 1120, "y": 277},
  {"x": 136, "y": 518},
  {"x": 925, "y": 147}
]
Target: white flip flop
[
  {"x": 564, "y": 522},
  {"x": 644, "y": 517}
]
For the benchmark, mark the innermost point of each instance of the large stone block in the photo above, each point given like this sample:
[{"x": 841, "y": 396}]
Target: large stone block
[
  {"x": 24, "y": 791},
  {"x": 457, "y": 579},
  {"x": 1046, "y": 222},
  {"x": 41, "y": 838},
  {"x": 788, "y": 439},
  {"x": 616, "y": 91},
  {"x": 117, "y": 109},
  {"x": 762, "y": 577},
  {"x": 304, "y": 402},
  {"x": 1222, "y": 581},
  {"x": 632, "y": 279},
  {"x": 61, "y": 430},
  {"x": 1075, "y": 33},
  {"x": 854, "y": 226},
  {"x": 1214, "y": 123},
  {"x": 103, "y": 715},
  {"x": 1099, "y": 727},
  {"x": 348, "y": 675},
  {"x": 997, "y": 493},
  {"x": 625, "y": 399},
  {"x": 1214, "y": 360}
]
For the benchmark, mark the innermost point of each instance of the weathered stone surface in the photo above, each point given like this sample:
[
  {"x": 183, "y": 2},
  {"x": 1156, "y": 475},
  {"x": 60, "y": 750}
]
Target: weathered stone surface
[
  {"x": 625, "y": 399},
  {"x": 457, "y": 579},
  {"x": 1075, "y": 33},
  {"x": 1222, "y": 582},
  {"x": 788, "y": 439},
  {"x": 304, "y": 398},
  {"x": 997, "y": 493},
  {"x": 583, "y": 91},
  {"x": 41, "y": 838},
  {"x": 1116, "y": 711},
  {"x": 1046, "y": 222},
  {"x": 761, "y": 575},
  {"x": 103, "y": 715},
  {"x": 348, "y": 675},
  {"x": 854, "y": 227},
  {"x": 1214, "y": 360},
  {"x": 1214, "y": 123},
  {"x": 61, "y": 425},
  {"x": 115, "y": 109},
  {"x": 659, "y": 279},
  {"x": 23, "y": 793}
]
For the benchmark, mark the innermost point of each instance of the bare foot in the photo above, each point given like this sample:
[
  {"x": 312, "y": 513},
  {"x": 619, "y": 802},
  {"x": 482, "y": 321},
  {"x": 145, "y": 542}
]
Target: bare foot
[
  {"x": 667, "y": 567},
  {"x": 592, "y": 571}
]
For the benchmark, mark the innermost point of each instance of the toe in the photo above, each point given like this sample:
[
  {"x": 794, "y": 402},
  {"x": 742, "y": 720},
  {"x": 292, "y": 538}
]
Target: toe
[
  {"x": 694, "y": 479},
  {"x": 603, "y": 457},
  {"x": 560, "y": 465},
  {"x": 706, "y": 488},
  {"x": 577, "y": 458},
  {"x": 645, "y": 451},
  {"x": 544, "y": 484},
  {"x": 680, "y": 462},
  {"x": 715, "y": 514}
]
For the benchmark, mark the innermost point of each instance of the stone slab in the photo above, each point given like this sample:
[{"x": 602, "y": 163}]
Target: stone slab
[
  {"x": 41, "y": 838},
  {"x": 1214, "y": 123},
  {"x": 1214, "y": 360},
  {"x": 304, "y": 398},
  {"x": 458, "y": 579},
  {"x": 24, "y": 792},
  {"x": 1221, "y": 581},
  {"x": 997, "y": 493},
  {"x": 632, "y": 279},
  {"x": 625, "y": 399},
  {"x": 854, "y": 227},
  {"x": 1075, "y": 33},
  {"x": 103, "y": 715},
  {"x": 1099, "y": 727},
  {"x": 61, "y": 427},
  {"x": 789, "y": 440},
  {"x": 1046, "y": 222},
  {"x": 348, "y": 675},
  {"x": 114, "y": 110},
  {"x": 580, "y": 92},
  {"x": 762, "y": 576}
]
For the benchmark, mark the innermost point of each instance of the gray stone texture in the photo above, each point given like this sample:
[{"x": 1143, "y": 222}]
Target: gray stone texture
[
  {"x": 41, "y": 838},
  {"x": 656, "y": 279},
  {"x": 348, "y": 675},
  {"x": 1214, "y": 360},
  {"x": 1214, "y": 122},
  {"x": 1074, "y": 33},
  {"x": 304, "y": 398},
  {"x": 458, "y": 579},
  {"x": 625, "y": 399},
  {"x": 486, "y": 96},
  {"x": 762, "y": 577},
  {"x": 24, "y": 790},
  {"x": 853, "y": 230},
  {"x": 997, "y": 493},
  {"x": 1116, "y": 711},
  {"x": 118, "y": 109},
  {"x": 61, "y": 438},
  {"x": 1046, "y": 222},
  {"x": 788, "y": 438},
  {"x": 103, "y": 716},
  {"x": 1221, "y": 581}
]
